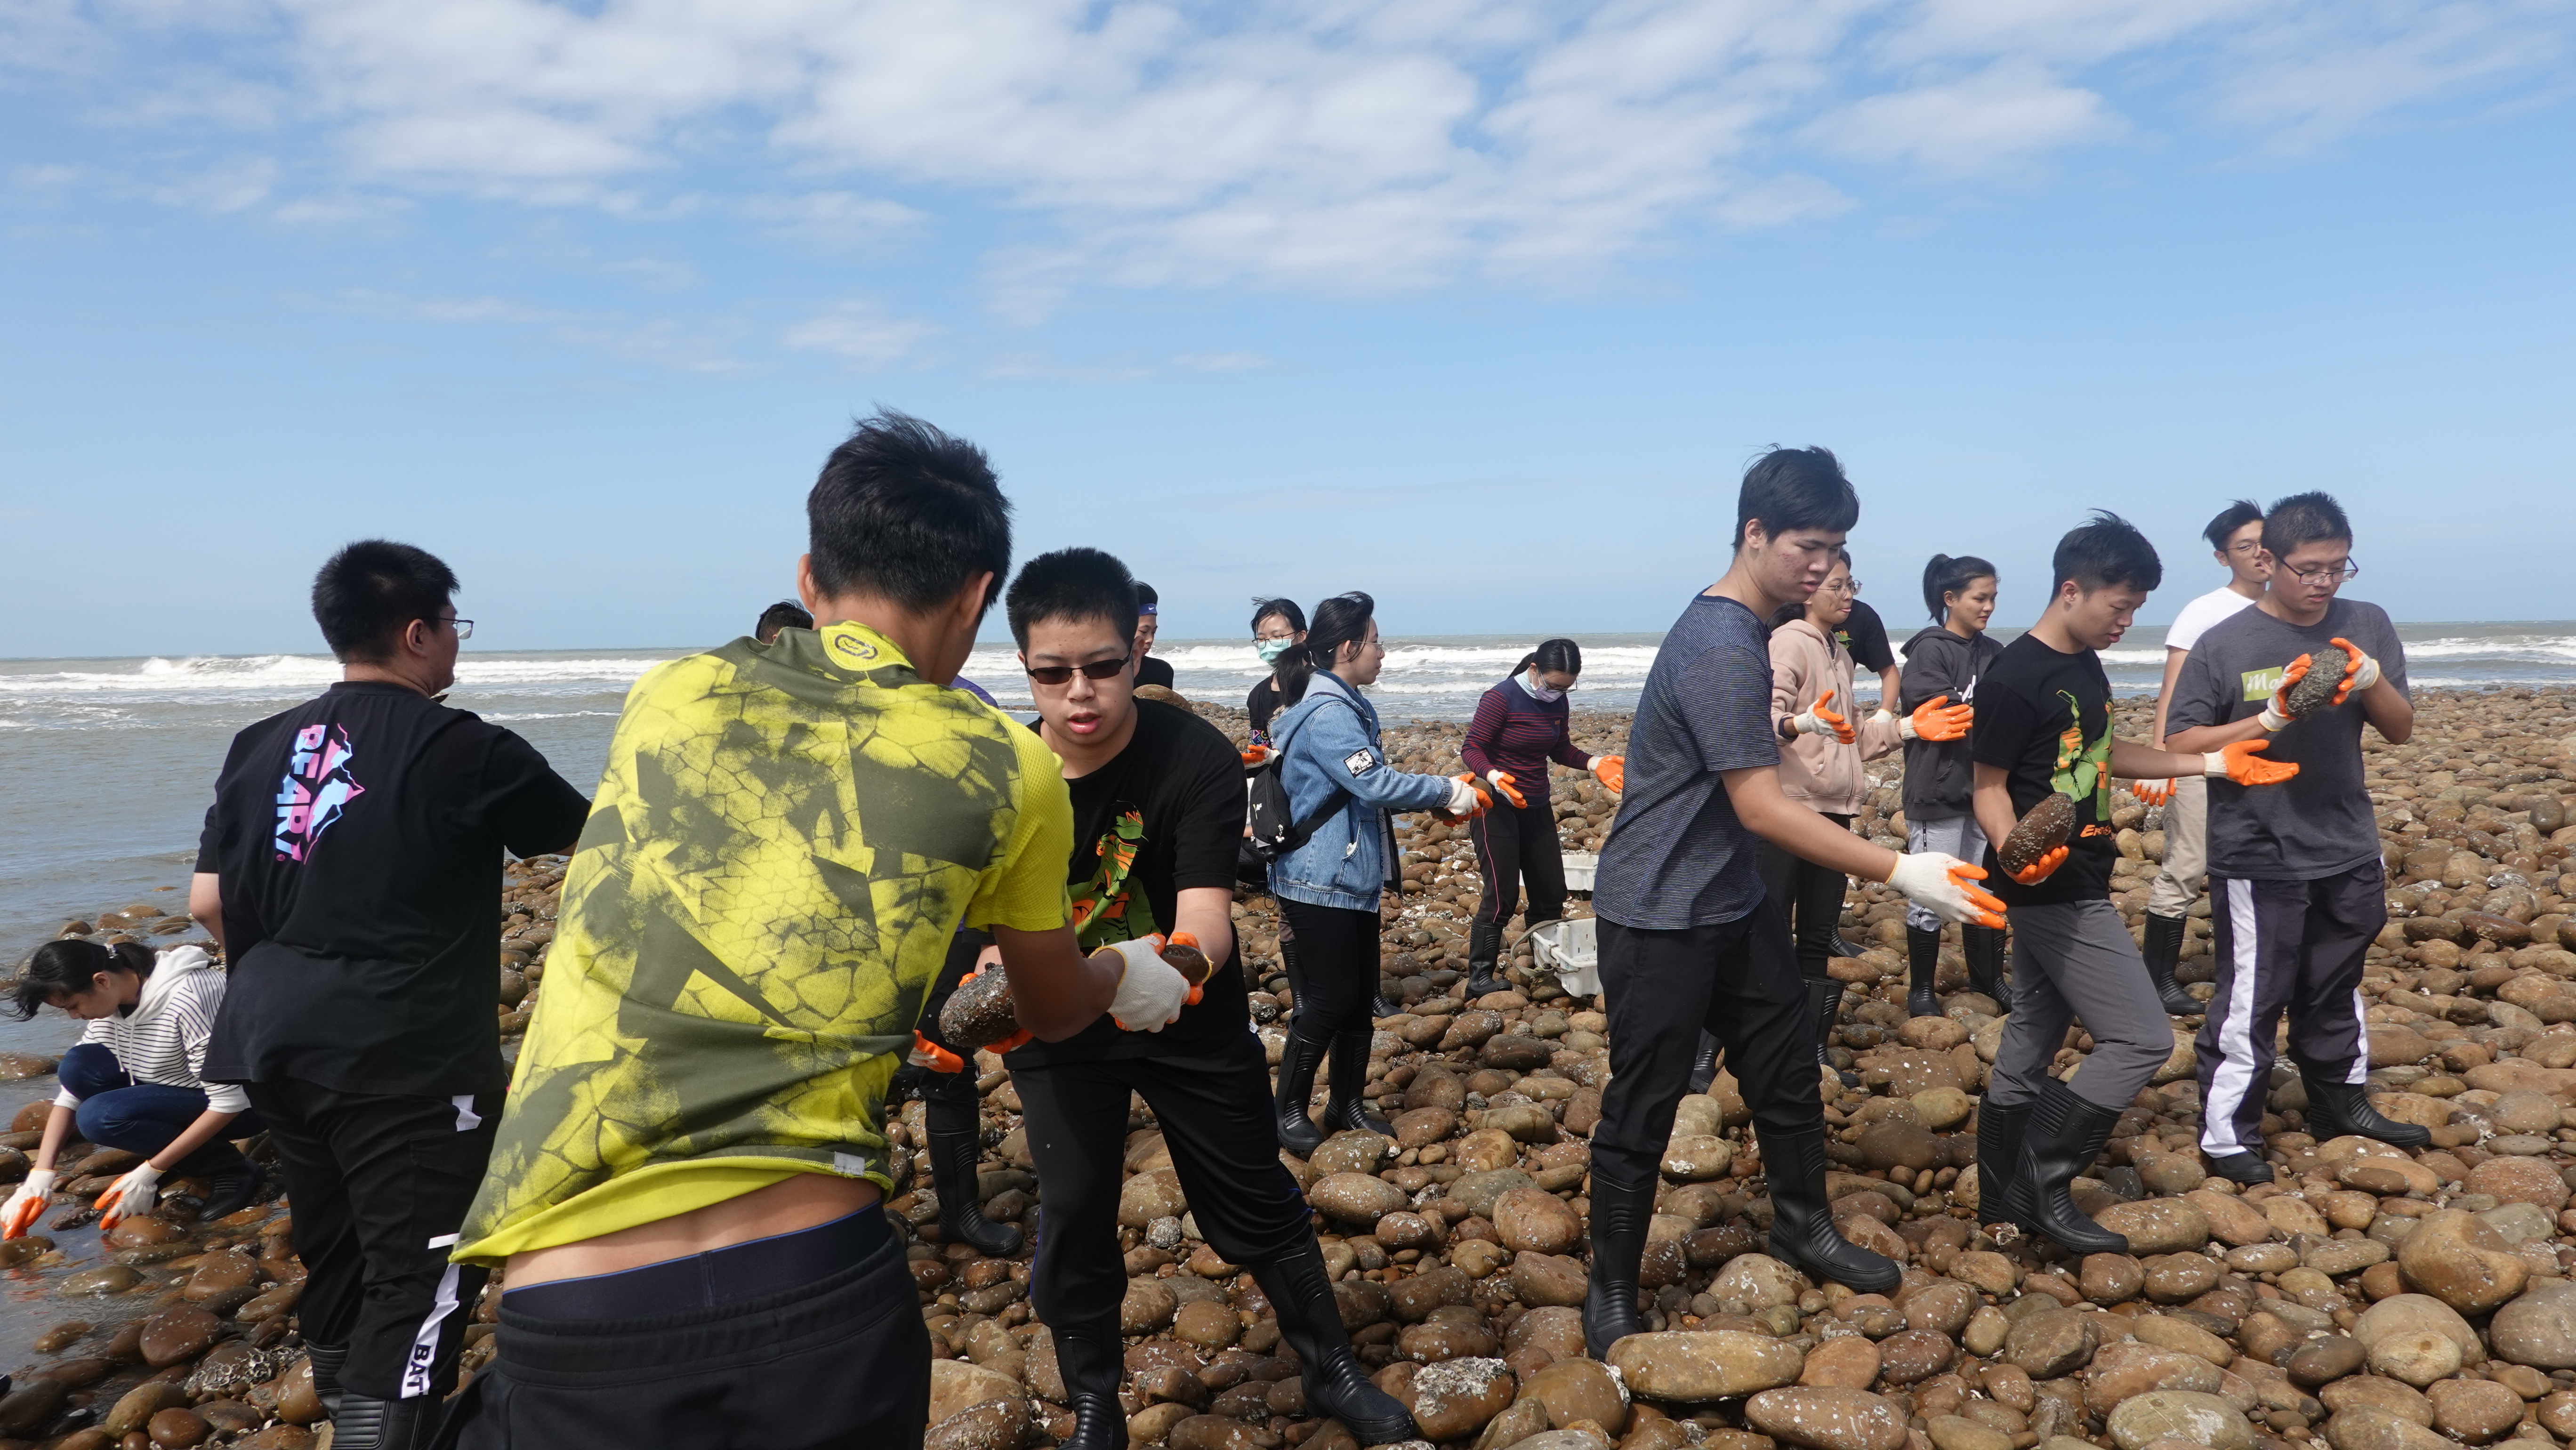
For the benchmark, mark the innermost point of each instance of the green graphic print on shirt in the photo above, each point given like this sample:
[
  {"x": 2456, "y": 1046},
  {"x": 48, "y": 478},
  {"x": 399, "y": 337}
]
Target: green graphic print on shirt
[
  {"x": 2084, "y": 765},
  {"x": 1104, "y": 910}
]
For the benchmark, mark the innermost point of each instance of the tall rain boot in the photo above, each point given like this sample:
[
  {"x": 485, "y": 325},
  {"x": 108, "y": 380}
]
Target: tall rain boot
[
  {"x": 232, "y": 1180},
  {"x": 1344, "y": 1107},
  {"x": 1998, "y": 1159},
  {"x": 2063, "y": 1136},
  {"x": 365, "y": 1423},
  {"x": 2341, "y": 1109},
  {"x": 1827, "y": 994},
  {"x": 1620, "y": 1212},
  {"x": 953, "y": 1181},
  {"x": 2163, "y": 953},
  {"x": 1484, "y": 947},
  {"x": 1802, "y": 1219},
  {"x": 1090, "y": 1359},
  {"x": 1704, "y": 1062},
  {"x": 1983, "y": 946},
  {"x": 1922, "y": 962},
  {"x": 326, "y": 1360},
  {"x": 1297, "y": 1131},
  {"x": 1311, "y": 1321}
]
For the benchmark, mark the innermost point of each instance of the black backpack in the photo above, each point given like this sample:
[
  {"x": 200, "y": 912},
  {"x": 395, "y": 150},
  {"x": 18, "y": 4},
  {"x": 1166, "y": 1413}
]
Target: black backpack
[{"x": 1266, "y": 810}]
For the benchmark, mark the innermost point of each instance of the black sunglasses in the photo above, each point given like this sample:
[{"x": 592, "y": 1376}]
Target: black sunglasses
[{"x": 1063, "y": 674}]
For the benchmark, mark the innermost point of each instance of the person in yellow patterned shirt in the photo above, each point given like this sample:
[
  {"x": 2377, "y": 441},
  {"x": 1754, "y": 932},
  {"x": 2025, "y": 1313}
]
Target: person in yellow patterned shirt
[{"x": 686, "y": 1185}]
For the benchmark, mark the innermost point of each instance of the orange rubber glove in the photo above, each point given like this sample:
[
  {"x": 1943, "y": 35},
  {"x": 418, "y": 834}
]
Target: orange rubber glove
[
  {"x": 1509, "y": 785},
  {"x": 2276, "y": 715},
  {"x": 1941, "y": 884},
  {"x": 2043, "y": 868},
  {"x": 1191, "y": 940},
  {"x": 129, "y": 1197},
  {"x": 1933, "y": 720},
  {"x": 2360, "y": 671},
  {"x": 2235, "y": 761},
  {"x": 1611, "y": 771},
  {"x": 929, "y": 1054},
  {"x": 1820, "y": 721},
  {"x": 27, "y": 1204},
  {"x": 1255, "y": 754},
  {"x": 1466, "y": 803},
  {"x": 2152, "y": 792}
]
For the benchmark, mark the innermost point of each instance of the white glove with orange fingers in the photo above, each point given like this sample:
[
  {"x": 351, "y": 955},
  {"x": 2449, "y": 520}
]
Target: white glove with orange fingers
[
  {"x": 2235, "y": 761},
  {"x": 2276, "y": 716},
  {"x": 1467, "y": 800},
  {"x": 1941, "y": 885},
  {"x": 1151, "y": 992},
  {"x": 27, "y": 1204},
  {"x": 929, "y": 1054},
  {"x": 1509, "y": 784},
  {"x": 2360, "y": 671},
  {"x": 1932, "y": 720},
  {"x": 2152, "y": 792},
  {"x": 131, "y": 1196},
  {"x": 1820, "y": 721},
  {"x": 1612, "y": 771}
]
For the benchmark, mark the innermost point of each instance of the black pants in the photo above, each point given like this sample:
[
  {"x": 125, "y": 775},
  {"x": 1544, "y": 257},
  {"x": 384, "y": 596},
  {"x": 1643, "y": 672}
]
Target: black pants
[
  {"x": 1516, "y": 845},
  {"x": 379, "y": 1186},
  {"x": 1810, "y": 897},
  {"x": 1664, "y": 987},
  {"x": 948, "y": 1100},
  {"x": 2283, "y": 945},
  {"x": 839, "y": 1361},
  {"x": 1215, "y": 1114},
  {"x": 1337, "y": 955}
]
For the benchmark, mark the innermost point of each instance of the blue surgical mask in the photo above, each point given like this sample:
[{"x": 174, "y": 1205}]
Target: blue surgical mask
[
  {"x": 1538, "y": 688},
  {"x": 1271, "y": 649}
]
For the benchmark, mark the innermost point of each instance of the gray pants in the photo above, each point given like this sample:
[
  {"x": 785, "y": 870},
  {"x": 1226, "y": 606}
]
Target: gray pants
[
  {"x": 1958, "y": 836},
  {"x": 2186, "y": 863},
  {"x": 2070, "y": 961}
]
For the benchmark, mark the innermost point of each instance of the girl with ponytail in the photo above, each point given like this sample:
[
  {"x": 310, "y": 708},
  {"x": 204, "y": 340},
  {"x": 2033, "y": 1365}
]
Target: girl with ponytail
[
  {"x": 133, "y": 1081},
  {"x": 1520, "y": 726},
  {"x": 1943, "y": 663}
]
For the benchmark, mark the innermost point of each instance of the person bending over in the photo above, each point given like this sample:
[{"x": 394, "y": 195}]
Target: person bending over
[
  {"x": 2236, "y": 539},
  {"x": 1158, "y": 813},
  {"x": 1345, "y": 796},
  {"x": 1942, "y": 664},
  {"x": 136, "y": 1079},
  {"x": 687, "y": 1185},
  {"x": 2295, "y": 874},
  {"x": 2043, "y": 736},
  {"x": 1520, "y": 726},
  {"x": 1685, "y": 940},
  {"x": 350, "y": 867}
]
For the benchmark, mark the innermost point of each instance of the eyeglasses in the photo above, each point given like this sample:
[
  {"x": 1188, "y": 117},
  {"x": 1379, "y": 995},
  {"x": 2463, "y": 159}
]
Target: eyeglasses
[
  {"x": 1848, "y": 586},
  {"x": 1063, "y": 674},
  {"x": 2249, "y": 548},
  {"x": 2326, "y": 573},
  {"x": 464, "y": 627}
]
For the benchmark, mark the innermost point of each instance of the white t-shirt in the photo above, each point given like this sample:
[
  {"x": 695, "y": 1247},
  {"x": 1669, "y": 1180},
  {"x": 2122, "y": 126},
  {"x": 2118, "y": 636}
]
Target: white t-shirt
[{"x": 2200, "y": 614}]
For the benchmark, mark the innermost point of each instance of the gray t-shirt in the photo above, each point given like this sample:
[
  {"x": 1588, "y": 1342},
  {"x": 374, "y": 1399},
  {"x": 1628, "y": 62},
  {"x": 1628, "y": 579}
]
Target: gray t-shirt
[
  {"x": 2319, "y": 823},
  {"x": 1677, "y": 856}
]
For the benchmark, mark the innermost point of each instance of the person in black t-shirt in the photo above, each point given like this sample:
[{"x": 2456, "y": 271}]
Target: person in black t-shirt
[
  {"x": 2043, "y": 729},
  {"x": 1276, "y": 624},
  {"x": 351, "y": 870},
  {"x": 1149, "y": 670},
  {"x": 1158, "y": 815}
]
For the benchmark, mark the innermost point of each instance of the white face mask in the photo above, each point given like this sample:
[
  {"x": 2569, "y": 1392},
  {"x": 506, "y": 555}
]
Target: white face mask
[{"x": 1538, "y": 688}]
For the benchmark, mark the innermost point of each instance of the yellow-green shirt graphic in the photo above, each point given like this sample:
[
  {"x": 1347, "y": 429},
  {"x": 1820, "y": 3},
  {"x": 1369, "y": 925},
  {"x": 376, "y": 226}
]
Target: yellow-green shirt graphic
[
  {"x": 784, "y": 840},
  {"x": 2084, "y": 764}
]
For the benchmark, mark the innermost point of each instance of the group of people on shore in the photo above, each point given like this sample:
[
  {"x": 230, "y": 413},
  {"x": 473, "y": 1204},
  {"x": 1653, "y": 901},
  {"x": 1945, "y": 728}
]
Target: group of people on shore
[{"x": 805, "y": 841}]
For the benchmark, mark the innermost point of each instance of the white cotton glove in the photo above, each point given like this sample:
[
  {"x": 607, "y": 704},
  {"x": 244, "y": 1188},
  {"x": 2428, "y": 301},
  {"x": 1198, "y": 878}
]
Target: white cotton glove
[
  {"x": 2361, "y": 677},
  {"x": 1464, "y": 799},
  {"x": 1941, "y": 885},
  {"x": 1819, "y": 720},
  {"x": 131, "y": 1196},
  {"x": 27, "y": 1204},
  {"x": 1152, "y": 992}
]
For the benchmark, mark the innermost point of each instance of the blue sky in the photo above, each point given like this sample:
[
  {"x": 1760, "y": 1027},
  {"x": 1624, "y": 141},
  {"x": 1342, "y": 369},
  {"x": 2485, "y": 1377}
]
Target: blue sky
[{"x": 1480, "y": 305}]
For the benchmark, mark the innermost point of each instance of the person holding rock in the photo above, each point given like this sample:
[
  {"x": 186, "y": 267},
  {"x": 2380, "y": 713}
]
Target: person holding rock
[
  {"x": 2236, "y": 539},
  {"x": 1158, "y": 813},
  {"x": 1686, "y": 942},
  {"x": 349, "y": 866},
  {"x": 1521, "y": 725},
  {"x": 1821, "y": 759},
  {"x": 1942, "y": 664},
  {"x": 136, "y": 1079},
  {"x": 2296, "y": 874},
  {"x": 688, "y": 1181},
  {"x": 2042, "y": 739},
  {"x": 1330, "y": 884}
]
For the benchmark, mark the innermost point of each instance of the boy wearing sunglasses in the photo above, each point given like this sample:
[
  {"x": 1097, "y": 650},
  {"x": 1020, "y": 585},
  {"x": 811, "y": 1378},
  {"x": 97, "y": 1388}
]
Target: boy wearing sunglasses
[{"x": 2296, "y": 881}]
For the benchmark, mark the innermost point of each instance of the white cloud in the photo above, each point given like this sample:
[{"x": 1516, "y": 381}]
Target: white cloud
[
  {"x": 861, "y": 333},
  {"x": 693, "y": 345},
  {"x": 2001, "y": 117}
]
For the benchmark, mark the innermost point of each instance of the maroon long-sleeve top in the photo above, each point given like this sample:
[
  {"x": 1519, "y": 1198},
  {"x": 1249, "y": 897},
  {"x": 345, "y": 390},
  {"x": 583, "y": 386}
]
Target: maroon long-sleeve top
[{"x": 1517, "y": 732}]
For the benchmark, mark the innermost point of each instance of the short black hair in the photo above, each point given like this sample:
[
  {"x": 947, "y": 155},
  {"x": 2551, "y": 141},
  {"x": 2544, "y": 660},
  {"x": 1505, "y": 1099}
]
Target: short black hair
[
  {"x": 2231, "y": 518},
  {"x": 1146, "y": 598},
  {"x": 1287, "y": 609},
  {"x": 2303, "y": 518},
  {"x": 908, "y": 513},
  {"x": 2106, "y": 549},
  {"x": 1076, "y": 584},
  {"x": 785, "y": 614},
  {"x": 367, "y": 594},
  {"x": 1796, "y": 488}
]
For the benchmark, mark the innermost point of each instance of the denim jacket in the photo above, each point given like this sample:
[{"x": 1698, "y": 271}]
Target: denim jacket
[{"x": 1332, "y": 737}]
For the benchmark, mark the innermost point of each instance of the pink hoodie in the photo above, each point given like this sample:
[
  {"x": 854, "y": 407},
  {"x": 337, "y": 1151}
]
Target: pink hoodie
[{"x": 1818, "y": 771}]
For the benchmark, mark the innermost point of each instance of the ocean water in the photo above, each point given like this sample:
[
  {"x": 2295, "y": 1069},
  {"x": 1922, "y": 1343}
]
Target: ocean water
[{"x": 106, "y": 765}]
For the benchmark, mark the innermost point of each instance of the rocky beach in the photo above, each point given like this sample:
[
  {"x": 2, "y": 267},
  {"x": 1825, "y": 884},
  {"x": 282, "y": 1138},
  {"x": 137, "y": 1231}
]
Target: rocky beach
[{"x": 2372, "y": 1298}]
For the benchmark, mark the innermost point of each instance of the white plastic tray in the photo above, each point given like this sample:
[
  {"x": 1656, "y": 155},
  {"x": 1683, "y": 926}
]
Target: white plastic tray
[
  {"x": 1579, "y": 866},
  {"x": 1567, "y": 949}
]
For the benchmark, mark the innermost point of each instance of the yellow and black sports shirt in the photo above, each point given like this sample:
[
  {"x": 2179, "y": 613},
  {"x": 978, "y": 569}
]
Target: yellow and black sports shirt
[{"x": 784, "y": 840}]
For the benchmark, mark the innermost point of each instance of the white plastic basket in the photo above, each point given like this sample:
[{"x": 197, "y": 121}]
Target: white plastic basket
[
  {"x": 1579, "y": 866},
  {"x": 1566, "y": 948}
]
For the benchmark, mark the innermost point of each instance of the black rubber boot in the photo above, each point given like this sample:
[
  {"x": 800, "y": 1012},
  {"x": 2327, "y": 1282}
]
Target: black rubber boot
[
  {"x": 1311, "y": 1321},
  {"x": 1089, "y": 1359},
  {"x": 1296, "y": 975},
  {"x": 1922, "y": 962},
  {"x": 1704, "y": 1063},
  {"x": 1620, "y": 1212},
  {"x": 1484, "y": 946},
  {"x": 2064, "y": 1135},
  {"x": 961, "y": 1217},
  {"x": 1380, "y": 1007},
  {"x": 2163, "y": 952},
  {"x": 1827, "y": 994},
  {"x": 1842, "y": 947},
  {"x": 1998, "y": 1159},
  {"x": 1983, "y": 946},
  {"x": 326, "y": 1360},
  {"x": 1802, "y": 1219},
  {"x": 365, "y": 1423},
  {"x": 1297, "y": 1131},
  {"x": 2246, "y": 1168},
  {"x": 2342, "y": 1109},
  {"x": 232, "y": 1180},
  {"x": 1344, "y": 1108}
]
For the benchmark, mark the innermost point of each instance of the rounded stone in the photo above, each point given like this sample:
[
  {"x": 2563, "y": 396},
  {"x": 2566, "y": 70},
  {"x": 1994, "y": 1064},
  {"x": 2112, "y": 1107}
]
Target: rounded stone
[
  {"x": 1149, "y": 1306},
  {"x": 2539, "y": 1327},
  {"x": 1533, "y": 1220},
  {"x": 1844, "y": 1362},
  {"x": 1942, "y": 1306},
  {"x": 1757, "y": 1281},
  {"x": 1828, "y": 1419},
  {"x": 1208, "y": 1323},
  {"x": 1541, "y": 1280},
  {"x": 1452, "y": 1401},
  {"x": 1580, "y": 1389},
  {"x": 2111, "y": 1278},
  {"x": 2366, "y": 1427},
  {"x": 2473, "y": 1411},
  {"x": 2411, "y": 1337},
  {"x": 178, "y": 1429},
  {"x": 135, "y": 1410},
  {"x": 1435, "y": 1340},
  {"x": 2520, "y": 1180},
  {"x": 2464, "y": 1263},
  {"x": 1915, "y": 1354},
  {"x": 2051, "y": 1343},
  {"x": 2320, "y": 1362},
  {"x": 2179, "y": 1278},
  {"x": 2201, "y": 1419},
  {"x": 1352, "y": 1150},
  {"x": 1697, "y": 1158},
  {"x": 1957, "y": 1432},
  {"x": 176, "y": 1335},
  {"x": 1355, "y": 1198},
  {"x": 1689, "y": 1367}
]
